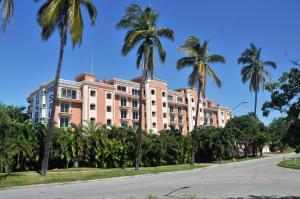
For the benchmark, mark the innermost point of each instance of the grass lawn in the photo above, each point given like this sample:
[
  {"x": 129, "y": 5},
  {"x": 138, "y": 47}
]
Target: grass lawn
[
  {"x": 290, "y": 163},
  {"x": 81, "y": 174},
  {"x": 240, "y": 159}
]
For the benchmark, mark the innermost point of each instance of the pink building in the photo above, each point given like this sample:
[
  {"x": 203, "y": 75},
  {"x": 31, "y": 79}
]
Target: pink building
[{"x": 116, "y": 102}]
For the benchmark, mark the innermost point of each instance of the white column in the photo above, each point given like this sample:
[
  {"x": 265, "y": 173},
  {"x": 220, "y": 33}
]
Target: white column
[
  {"x": 148, "y": 104},
  {"x": 85, "y": 94},
  {"x": 190, "y": 115}
]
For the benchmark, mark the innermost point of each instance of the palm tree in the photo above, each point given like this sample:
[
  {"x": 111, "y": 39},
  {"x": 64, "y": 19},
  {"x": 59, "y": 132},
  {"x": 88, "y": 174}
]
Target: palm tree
[
  {"x": 199, "y": 59},
  {"x": 253, "y": 70},
  {"x": 141, "y": 25},
  {"x": 64, "y": 16},
  {"x": 7, "y": 8}
]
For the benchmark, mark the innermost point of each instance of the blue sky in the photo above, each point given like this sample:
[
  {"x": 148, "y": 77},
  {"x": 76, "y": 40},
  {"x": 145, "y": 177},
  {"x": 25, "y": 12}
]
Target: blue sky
[{"x": 27, "y": 61}]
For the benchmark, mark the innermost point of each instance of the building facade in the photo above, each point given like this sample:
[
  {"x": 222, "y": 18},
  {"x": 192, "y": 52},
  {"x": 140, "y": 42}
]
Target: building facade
[{"x": 116, "y": 102}]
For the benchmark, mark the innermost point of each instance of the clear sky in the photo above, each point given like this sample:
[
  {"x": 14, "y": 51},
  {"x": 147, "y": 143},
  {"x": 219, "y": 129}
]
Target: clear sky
[{"x": 273, "y": 25}]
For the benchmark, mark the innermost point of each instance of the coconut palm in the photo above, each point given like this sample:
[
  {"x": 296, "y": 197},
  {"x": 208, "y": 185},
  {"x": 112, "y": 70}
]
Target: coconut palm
[
  {"x": 7, "y": 9},
  {"x": 253, "y": 70},
  {"x": 200, "y": 60},
  {"x": 64, "y": 16},
  {"x": 141, "y": 24}
]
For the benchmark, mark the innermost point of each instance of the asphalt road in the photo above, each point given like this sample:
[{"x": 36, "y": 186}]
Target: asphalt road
[{"x": 255, "y": 177}]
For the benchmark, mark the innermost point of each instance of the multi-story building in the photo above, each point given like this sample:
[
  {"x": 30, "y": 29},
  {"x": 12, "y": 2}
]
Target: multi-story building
[{"x": 116, "y": 102}]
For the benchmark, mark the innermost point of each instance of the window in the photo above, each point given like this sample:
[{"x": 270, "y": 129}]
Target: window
[
  {"x": 200, "y": 109},
  {"x": 108, "y": 109},
  {"x": 64, "y": 122},
  {"x": 92, "y": 120},
  {"x": 154, "y": 125},
  {"x": 135, "y": 91},
  {"x": 135, "y": 115},
  {"x": 211, "y": 121},
  {"x": 68, "y": 93},
  {"x": 135, "y": 125},
  {"x": 165, "y": 115},
  {"x": 193, "y": 108},
  {"x": 222, "y": 121},
  {"x": 152, "y": 92},
  {"x": 165, "y": 126},
  {"x": 123, "y": 101},
  {"x": 171, "y": 109},
  {"x": 43, "y": 92},
  {"x": 222, "y": 113},
  {"x": 124, "y": 124},
  {"x": 153, "y": 114},
  {"x": 108, "y": 121},
  {"x": 179, "y": 99},
  {"x": 153, "y": 103},
  {"x": 74, "y": 94},
  {"x": 172, "y": 118},
  {"x": 192, "y": 99},
  {"x": 43, "y": 105},
  {"x": 186, "y": 100},
  {"x": 121, "y": 88},
  {"x": 164, "y": 104},
  {"x": 179, "y": 110},
  {"x": 123, "y": 114},
  {"x": 93, "y": 93},
  {"x": 170, "y": 97},
  {"x": 92, "y": 107},
  {"x": 64, "y": 107},
  {"x": 108, "y": 95},
  {"x": 135, "y": 103},
  {"x": 163, "y": 94},
  {"x": 194, "y": 118},
  {"x": 180, "y": 120}
]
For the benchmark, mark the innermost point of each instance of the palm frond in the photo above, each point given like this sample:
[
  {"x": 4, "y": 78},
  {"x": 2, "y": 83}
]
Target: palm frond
[
  {"x": 215, "y": 59},
  {"x": 91, "y": 10},
  {"x": 132, "y": 38},
  {"x": 185, "y": 62},
  {"x": 161, "y": 51},
  {"x": 166, "y": 33},
  {"x": 75, "y": 22},
  {"x": 7, "y": 7},
  {"x": 270, "y": 63},
  {"x": 214, "y": 77}
]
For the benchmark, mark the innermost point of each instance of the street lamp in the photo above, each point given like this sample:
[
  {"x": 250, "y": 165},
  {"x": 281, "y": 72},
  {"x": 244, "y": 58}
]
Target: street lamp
[
  {"x": 238, "y": 105},
  {"x": 233, "y": 159}
]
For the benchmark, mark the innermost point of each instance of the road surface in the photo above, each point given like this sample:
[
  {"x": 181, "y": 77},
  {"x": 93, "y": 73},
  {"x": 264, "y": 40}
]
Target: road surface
[{"x": 255, "y": 177}]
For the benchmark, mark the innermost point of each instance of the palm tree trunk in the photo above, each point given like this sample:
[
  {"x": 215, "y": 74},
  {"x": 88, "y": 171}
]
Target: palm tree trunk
[
  {"x": 196, "y": 125},
  {"x": 255, "y": 103},
  {"x": 51, "y": 121},
  {"x": 139, "y": 132}
]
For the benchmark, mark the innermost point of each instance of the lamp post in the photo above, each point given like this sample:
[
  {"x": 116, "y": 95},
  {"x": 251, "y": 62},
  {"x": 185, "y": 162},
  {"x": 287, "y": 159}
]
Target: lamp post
[
  {"x": 237, "y": 107},
  {"x": 233, "y": 159}
]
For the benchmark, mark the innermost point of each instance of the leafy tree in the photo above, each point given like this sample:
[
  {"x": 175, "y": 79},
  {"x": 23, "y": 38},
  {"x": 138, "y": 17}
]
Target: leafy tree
[
  {"x": 64, "y": 16},
  {"x": 7, "y": 9},
  {"x": 141, "y": 24},
  {"x": 285, "y": 99},
  {"x": 278, "y": 130},
  {"x": 254, "y": 70},
  {"x": 199, "y": 59},
  {"x": 245, "y": 129}
]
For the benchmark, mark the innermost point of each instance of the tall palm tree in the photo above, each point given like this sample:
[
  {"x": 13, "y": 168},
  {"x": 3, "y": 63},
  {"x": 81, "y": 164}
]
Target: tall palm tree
[
  {"x": 253, "y": 70},
  {"x": 199, "y": 59},
  {"x": 64, "y": 16},
  {"x": 142, "y": 30},
  {"x": 7, "y": 9}
]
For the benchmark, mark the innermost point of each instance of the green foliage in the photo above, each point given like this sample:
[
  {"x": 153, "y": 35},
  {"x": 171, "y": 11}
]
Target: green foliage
[
  {"x": 278, "y": 130},
  {"x": 285, "y": 99},
  {"x": 249, "y": 133},
  {"x": 95, "y": 145}
]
